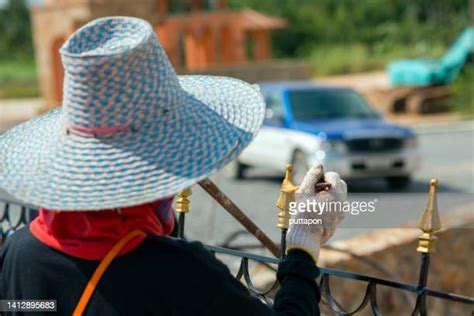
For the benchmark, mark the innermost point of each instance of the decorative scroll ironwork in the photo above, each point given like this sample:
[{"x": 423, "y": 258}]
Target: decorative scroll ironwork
[
  {"x": 13, "y": 215},
  {"x": 429, "y": 224}
]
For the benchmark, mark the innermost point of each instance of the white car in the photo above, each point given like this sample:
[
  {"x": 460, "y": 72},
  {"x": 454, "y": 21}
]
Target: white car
[{"x": 307, "y": 124}]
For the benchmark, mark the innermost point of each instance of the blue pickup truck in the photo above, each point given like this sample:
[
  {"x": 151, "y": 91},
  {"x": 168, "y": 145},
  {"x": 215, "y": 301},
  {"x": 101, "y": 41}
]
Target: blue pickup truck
[{"x": 307, "y": 123}]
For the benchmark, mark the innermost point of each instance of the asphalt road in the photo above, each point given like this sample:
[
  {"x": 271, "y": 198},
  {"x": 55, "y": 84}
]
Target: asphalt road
[{"x": 447, "y": 154}]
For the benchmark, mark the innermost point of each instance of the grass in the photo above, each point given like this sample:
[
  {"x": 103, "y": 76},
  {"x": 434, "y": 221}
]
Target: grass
[
  {"x": 343, "y": 59},
  {"x": 18, "y": 78},
  {"x": 463, "y": 92}
]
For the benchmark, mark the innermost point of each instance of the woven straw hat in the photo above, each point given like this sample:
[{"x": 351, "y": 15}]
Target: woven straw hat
[{"x": 130, "y": 130}]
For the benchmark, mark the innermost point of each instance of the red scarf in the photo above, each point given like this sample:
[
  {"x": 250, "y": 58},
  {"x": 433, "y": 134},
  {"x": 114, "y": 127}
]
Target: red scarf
[{"x": 90, "y": 235}]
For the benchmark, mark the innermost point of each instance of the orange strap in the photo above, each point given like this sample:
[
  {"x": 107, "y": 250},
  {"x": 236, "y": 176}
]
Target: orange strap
[{"x": 99, "y": 271}]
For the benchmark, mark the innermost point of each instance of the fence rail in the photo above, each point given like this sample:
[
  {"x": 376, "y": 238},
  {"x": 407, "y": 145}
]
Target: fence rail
[{"x": 429, "y": 224}]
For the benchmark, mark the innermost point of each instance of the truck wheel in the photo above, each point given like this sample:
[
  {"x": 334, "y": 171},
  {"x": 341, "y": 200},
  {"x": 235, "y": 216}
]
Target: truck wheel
[
  {"x": 399, "y": 182},
  {"x": 240, "y": 169},
  {"x": 300, "y": 166}
]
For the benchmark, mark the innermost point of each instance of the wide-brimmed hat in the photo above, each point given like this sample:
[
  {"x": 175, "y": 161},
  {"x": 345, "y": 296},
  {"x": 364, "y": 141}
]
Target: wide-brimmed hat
[{"x": 130, "y": 130}]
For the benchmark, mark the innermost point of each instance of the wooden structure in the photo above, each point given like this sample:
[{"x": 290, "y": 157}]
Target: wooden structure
[{"x": 196, "y": 34}]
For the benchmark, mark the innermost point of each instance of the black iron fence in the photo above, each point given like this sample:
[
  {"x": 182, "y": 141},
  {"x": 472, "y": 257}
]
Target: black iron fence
[{"x": 13, "y": 215}]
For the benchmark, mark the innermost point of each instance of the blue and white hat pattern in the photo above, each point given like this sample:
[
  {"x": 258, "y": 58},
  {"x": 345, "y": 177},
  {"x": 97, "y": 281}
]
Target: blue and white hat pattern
[{"x": 130, "y": 130}]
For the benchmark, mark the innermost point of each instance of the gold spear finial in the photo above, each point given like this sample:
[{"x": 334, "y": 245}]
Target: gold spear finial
[
  {"x": 182, "y": 202},
  {"x": 287, "y": 184},
  {"x": 287, "y": 195},
  {"x": 429, "y": 222}
]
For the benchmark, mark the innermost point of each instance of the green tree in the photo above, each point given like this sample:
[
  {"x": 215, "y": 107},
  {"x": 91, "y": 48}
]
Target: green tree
[
  {"x": 374, "y": 23},
  {"x": 15, "y": 30}
]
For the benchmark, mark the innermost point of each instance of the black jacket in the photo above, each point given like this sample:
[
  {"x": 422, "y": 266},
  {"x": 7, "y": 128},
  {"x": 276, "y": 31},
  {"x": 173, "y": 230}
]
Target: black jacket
[{"x": 163, "y": 276}]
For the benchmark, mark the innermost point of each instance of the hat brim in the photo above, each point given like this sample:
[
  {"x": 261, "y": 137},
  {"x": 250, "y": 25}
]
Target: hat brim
[{"x": 43, "y": 165}]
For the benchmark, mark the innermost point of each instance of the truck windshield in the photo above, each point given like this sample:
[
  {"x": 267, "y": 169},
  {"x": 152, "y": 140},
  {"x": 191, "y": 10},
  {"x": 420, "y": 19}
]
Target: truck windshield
[{"x": 310, "y": 105}]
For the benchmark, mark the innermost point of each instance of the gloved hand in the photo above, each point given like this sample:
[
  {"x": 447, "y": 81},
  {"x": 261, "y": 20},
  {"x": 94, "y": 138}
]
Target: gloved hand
[{"x": 310, "y": 238}]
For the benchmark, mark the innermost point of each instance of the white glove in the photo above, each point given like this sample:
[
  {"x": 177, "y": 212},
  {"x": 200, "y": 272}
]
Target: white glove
[{"x": 310, "y": 238}]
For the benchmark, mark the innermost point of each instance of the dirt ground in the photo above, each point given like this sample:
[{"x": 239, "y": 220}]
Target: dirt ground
[{"x": 362, "y": 82}]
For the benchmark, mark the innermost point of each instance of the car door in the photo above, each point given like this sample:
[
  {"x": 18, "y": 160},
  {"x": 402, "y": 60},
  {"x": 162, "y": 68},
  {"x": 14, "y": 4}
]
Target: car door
[{"x": 270, "y": 147}]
